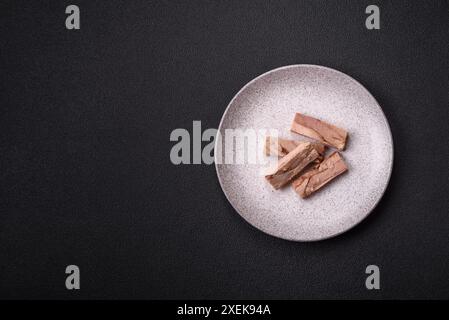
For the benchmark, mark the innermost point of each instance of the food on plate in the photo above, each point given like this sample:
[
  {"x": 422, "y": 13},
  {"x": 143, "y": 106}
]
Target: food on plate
[
  {"x": 303, "y": 162},
  {"x": 319, "y": 130},
  {"x": 280, "y": 147},
  {"x": 319, "y": 175},
  {"x": 291, "y": 165}
]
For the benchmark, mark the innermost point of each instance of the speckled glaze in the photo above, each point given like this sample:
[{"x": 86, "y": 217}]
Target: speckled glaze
[{"x": 270, "y": 101}]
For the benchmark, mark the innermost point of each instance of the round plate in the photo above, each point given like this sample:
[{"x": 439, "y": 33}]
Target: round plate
[{"x": 270, "y": 101}]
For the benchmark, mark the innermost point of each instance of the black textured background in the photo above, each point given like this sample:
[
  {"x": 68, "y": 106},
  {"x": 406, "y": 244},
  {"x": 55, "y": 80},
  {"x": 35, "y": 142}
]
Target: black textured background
[{"x": 86, "y": 177}]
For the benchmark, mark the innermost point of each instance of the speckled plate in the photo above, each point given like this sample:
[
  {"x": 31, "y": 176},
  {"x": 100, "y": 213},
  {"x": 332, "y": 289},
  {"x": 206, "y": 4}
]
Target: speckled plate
[{"x": 270, "y": 101}]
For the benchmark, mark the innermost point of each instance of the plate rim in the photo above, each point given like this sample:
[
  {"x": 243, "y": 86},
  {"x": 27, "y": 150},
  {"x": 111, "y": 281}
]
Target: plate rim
[{"x": 390, "y": 168}]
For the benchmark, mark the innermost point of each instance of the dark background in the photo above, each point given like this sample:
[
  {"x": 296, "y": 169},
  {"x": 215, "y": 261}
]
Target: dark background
[{"x": 86, "y": 177}]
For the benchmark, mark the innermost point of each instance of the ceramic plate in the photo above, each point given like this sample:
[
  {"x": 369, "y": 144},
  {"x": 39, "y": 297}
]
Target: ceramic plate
[{"x": 270, "y": 102}]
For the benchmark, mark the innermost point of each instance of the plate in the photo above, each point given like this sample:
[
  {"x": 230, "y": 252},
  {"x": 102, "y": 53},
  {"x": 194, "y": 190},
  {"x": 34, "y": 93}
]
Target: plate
[{"x": 269, "y": 102}]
